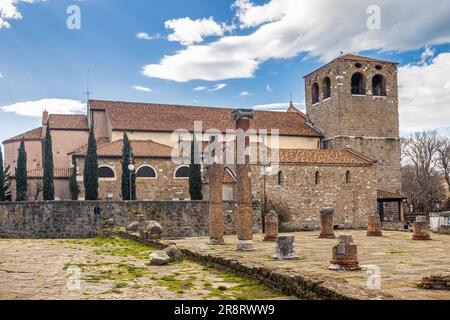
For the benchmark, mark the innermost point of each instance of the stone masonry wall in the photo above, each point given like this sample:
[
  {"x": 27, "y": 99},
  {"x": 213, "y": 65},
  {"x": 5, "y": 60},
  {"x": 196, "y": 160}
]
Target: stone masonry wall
[
  {"x": 77, "y": 219},
  {"x": 164, "y": 187},
  {"x": 367, "y": 123},
  {"x": 299, "y": 199}
]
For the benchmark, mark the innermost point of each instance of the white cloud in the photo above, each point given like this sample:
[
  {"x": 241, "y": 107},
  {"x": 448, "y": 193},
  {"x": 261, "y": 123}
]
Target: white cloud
[
  {"x": 1, "y": 75},
  {"x": 141, "y": 88},
  {"x": 35, "y": 108},
  {"x": 244, "y": 94},
  {"x": 424, "y": 92},
  {"x": 188, "y": 31},
  {"x": 9, "y": 11},
  {"x": 268, "y": 88},
  {"x": 322, "y": 28},
  {"x": 146, "y": 36},
  {"x": 200, "y": 88},
  {"x": 218, "y": 87}
]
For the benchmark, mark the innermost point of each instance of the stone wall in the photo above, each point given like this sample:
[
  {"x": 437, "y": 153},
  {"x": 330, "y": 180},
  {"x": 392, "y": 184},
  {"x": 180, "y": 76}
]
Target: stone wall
[
  {"x": 367, "y": 123},
  {"x": 77, "y": 219},
  {"x": 164, "y": 187},
  {"x": 298, "y": 200}
]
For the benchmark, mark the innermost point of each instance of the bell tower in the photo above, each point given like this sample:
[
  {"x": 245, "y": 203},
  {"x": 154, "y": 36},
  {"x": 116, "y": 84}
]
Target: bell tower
[{"x": 354, "y": 101}]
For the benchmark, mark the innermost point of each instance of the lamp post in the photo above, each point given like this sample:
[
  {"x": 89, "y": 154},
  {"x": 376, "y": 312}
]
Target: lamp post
[{"x": 131, "y": 169}]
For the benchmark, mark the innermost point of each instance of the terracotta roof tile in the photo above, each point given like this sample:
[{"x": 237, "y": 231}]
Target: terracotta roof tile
[
  {"x": 141, "y": 149},
  {"x": 35, "y": 134},
  {"x": 353, "y": 57},
  {"x": 68, "y": 122},
  {"x": 161, "y": 117}
]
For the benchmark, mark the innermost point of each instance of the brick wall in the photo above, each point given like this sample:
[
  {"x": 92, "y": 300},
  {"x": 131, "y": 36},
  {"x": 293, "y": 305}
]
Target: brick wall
[{"x": 76, "y": 219}]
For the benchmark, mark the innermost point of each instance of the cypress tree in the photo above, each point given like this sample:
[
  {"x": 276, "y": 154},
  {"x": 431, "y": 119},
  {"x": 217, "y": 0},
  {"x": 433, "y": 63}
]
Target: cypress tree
[
  {"x": 21, "y": 174},
  {"x": 48, "y": 185},
  {"x": 90, "y": 173},
  {"x": 195, "y": 174},
  {"x": 2, "y": 179},
  {"x": 127, "y": 158},
  {"x": 73, "y": 184}
]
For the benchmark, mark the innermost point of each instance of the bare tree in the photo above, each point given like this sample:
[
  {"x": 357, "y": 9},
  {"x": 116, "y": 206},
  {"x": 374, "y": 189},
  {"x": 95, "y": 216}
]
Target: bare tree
[
  {"x": 420, "y": 175},
  {"x": 39, "y": 189},
  {"x": 444, "y": 158}
]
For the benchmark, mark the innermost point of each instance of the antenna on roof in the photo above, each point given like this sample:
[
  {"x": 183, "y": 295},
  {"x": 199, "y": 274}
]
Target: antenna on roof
[{"x": 88, "y": 92}]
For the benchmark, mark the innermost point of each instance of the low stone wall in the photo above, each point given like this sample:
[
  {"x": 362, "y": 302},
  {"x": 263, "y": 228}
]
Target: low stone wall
[{"x": 85, "y": 219}]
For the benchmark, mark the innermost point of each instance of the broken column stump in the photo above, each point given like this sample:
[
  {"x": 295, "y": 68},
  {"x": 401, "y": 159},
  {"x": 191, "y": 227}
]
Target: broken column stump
[
  {"x": 326, "y": 223},
  {"x": 374, "y": 226},
  {"x": 436, "y": 282},
  {"x": 345, "y": 255},
  {"x": 285, "y": 248},
  {"x": 421, "y": 229},
  {"x": 271, "y": 226}
]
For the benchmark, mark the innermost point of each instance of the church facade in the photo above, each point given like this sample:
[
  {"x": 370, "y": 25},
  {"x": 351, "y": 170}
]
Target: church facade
[{"x": 344, "y": 152}]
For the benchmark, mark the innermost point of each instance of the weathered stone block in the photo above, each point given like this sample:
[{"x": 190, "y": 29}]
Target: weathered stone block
[
  {"x": 326, "y": 223},
  {"x": 271, "y": 226},
  {"x": 345, "y": 255},
  {"x": 285, "y": 248}
]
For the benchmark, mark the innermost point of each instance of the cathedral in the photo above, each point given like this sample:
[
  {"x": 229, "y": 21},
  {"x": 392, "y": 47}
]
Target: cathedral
[{"x": 343, "y": 153}]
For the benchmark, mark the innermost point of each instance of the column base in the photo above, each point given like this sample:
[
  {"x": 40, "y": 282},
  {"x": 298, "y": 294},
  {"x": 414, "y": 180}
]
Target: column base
[
  {"x": 349, "y": 265},
  {"x": 245, "y": 245},
  {"x": 421, "y": 237},
  {"x": 214, "y": 242},
  {"x": 327, "y": 236},
  {"x": 374, "y": 234},
  {"x": 270, "y": 238},
  {"x": 291, "y": 257}
]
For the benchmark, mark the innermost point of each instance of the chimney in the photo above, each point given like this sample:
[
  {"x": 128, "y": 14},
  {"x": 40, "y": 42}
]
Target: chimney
[{"x": 45, "y": 118}]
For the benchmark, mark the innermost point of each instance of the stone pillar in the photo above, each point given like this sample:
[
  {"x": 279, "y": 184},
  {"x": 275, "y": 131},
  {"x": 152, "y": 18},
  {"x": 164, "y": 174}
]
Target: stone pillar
[
  {"x": 285, "y": 248},
  {"x": 421, "y": 229},
  {"x": 326, "y": 224},
  {"x": 271, "y": 226},
  {"x": 345, "y": 254},
  {"x": 244, "y": 217},
  {"x": 374, "y": 226},
  {"x": 216, "y": 215}
]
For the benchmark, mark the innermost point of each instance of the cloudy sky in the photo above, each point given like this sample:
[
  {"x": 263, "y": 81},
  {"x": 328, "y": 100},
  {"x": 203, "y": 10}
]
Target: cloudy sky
[{"x": 235, "y": 53}]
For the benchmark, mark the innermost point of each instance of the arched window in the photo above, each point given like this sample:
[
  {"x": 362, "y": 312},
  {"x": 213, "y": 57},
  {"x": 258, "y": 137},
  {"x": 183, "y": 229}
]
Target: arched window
[
  {"x": 280, "y": 178},
  {"x": 182, "y": 172},
  {"x": 317, "y": 178},
  {"x": 106, "y": 172},
  {"x": 326, "y": 88},
  {"x": 379, "y": 86},
  {"x": 348, "y": 177},
  {"x": 146, "y": 172},
  {"x": 315, "y": 93},
  {"x": 358, "y": 85}
]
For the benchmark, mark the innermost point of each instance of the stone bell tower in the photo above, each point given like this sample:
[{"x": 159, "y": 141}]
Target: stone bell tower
[{"x": 354, "y": 101}]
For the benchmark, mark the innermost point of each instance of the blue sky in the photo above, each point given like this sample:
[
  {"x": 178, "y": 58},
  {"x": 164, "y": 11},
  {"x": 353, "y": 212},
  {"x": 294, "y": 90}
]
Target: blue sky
[{"x": 252, "y": 52}]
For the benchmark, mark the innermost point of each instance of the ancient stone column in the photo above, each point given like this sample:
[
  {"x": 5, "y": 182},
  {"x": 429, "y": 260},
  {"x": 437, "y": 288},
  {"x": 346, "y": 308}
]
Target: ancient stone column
[
  {"x": 244, "y": 217},
  {"x": 374, "y": 226},
  {"x": 421, "y": 229},
  {"x": 216, "y": 215},
  {"x": 345, "y": 254},
  {"x": 326, "y": 224},
  {"x": 271, "y": 226},
  {"x": 285, "y": 248}
]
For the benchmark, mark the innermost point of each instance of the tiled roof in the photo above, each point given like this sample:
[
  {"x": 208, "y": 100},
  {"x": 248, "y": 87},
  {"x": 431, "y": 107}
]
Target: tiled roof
[
  {"x": 35, "y": 134},
  {"x": 383, "y": 194},
  {"x": 167, "y": 118},
  {"x": 353, "y": 57},
  {"x": 322, "y": 157},
  {"x": 68, "y": 122},
  {"x": 141, "y": 149}
]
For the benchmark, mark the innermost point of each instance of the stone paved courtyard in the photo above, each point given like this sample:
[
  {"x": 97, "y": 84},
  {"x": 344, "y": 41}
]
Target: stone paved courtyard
[
  {"x": 403, "y": 262},
  {"x": 111, "y": 269}
]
